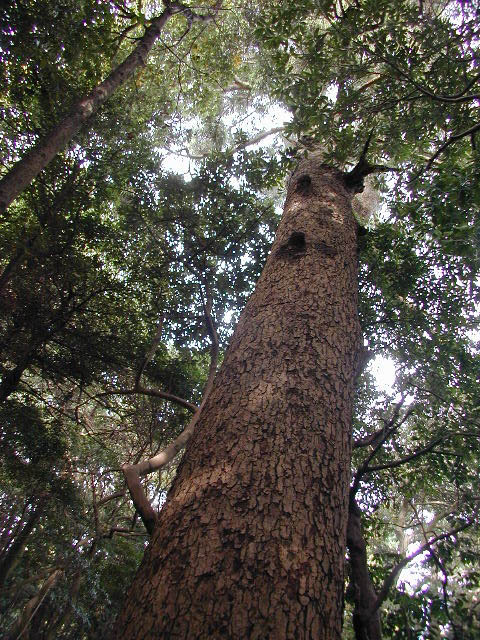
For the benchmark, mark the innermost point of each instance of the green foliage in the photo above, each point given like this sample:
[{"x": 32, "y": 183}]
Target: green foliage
[{"x": 106, "y": 245}]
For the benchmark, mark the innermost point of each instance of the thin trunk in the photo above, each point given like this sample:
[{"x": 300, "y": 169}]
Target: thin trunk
[
  {"x": 21, "y": 628},
  {"x": 251, "y": 542},
  {"x": 14, "y": 553},
  {"x": 365, "y": 623},
  {"x": 35, "y": 160},
  {"x": 53, "y": 628},
  {"x": 15, "y": 261}
]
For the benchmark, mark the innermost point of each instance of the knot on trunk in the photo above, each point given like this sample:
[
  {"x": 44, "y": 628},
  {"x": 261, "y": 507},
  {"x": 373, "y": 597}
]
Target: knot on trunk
[
  {"x": 304, "y": 185},
  {"x": 295, "y": 245}
]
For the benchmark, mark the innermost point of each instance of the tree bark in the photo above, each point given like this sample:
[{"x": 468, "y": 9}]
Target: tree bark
[{"x": 251, "y": 541}]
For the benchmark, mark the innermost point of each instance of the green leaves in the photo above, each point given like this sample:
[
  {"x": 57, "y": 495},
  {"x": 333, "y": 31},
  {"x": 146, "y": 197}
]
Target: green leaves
[{"x": 106, "y": 245}]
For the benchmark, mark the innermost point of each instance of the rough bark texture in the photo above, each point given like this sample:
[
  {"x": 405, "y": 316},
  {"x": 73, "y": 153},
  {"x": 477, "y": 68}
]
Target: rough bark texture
[{"x": 251, "y": 542}]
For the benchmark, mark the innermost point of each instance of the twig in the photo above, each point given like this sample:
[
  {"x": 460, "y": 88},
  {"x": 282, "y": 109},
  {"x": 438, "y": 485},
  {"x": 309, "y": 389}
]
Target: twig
[{"x": 150, "y": 392}]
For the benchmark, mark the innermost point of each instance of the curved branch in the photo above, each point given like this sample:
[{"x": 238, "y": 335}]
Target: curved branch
[
  {"x": 258, "y": 138},
  {"x": 150, "y": 392},
  {"x": 445, "y": 145},
  {"x": 134, "y": 472},
  {"x": 111, "y": 496},
  {"x": 398, "y": 463}
]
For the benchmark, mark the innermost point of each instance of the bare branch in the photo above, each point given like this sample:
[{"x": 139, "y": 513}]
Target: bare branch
[
  {"x": 258, "y": 138},
  {"x": 425, "y": 547},
  {"x": 390, "y": 427},
  {"x": 134, "y": 472},
  {"x": 122, "y": 531},
  {"x": 179, "y": 7},
  {"x": 412, "y": 456},
  {"x": 453, "y": 138},
  {"x": 112, "y": 496},
  {"x": 371, "y": 439},
  {"x": 150, "y": 392},
  {"x": 139, "y": 497}
]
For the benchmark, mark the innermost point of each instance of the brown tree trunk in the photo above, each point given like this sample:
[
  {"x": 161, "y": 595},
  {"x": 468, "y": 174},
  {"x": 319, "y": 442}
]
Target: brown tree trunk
[
  {"x": 366, "y": 618},
  {"x": 26, "y": 169},
  {"x": 251, "y": 542}
]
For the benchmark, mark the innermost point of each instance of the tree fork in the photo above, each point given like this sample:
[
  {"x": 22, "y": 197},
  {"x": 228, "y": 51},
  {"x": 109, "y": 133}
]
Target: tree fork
[{"x": 251, "y": 541}]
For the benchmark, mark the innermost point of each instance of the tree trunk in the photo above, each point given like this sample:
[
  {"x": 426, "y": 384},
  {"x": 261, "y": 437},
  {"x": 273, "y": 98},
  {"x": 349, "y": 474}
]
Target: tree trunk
[
  {"x": 366, "y": 618},
  {"x": 35, "y": 160},
  {"x": 15, "y": 552},
  {"x": 251, "y": 542},
  {"x": 21, "y": 628}
]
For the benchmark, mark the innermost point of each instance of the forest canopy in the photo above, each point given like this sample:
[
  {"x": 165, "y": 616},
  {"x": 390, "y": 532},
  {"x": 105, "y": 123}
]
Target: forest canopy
[{"x": 128, "y": 257}]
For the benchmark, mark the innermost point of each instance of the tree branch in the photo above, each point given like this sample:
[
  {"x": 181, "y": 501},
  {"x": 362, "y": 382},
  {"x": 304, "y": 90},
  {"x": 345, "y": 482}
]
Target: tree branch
[
  {"x": 112, "y": 496},
  {"x": 179, "y": 7},
  {"x": 257, "y": 138},
  {"x": 354, "y": 178},
  {"x": 396, "y": 570},
  {"x": 150, "y": 392},
  {"x": 397, "y": 463},
  {"x": 36, "y": 159},
  {"x": 388, "y": 430},
  {"x": 361, "y": 587},
  {"x": 455, "y": 98},
  {"x": 370, "y": 439},
  {"x": 150, "y": 352},
  {"x": 133, "y": 473},
  {"x": 445, "y": 145}
]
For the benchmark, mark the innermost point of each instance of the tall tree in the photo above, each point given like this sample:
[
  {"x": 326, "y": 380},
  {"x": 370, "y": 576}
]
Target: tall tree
[
  {"x": 252, "y": 539},
  {"x": 47, "y": 147},
  {"x": 113, "y": 293},
  {"x": 181, "y": 589}
]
